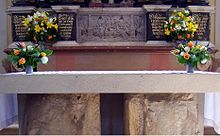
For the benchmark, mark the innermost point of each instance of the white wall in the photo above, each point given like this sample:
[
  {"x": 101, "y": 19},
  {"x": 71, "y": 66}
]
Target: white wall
[
  {"x": 217, "y": 27},
  {"x": 3, "y": 32}
]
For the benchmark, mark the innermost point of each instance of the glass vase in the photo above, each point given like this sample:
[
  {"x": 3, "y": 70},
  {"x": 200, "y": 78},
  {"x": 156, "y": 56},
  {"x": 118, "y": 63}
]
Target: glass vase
[
  {"x": 189, "y": 68},
  {"x": 29, "y": 69}
]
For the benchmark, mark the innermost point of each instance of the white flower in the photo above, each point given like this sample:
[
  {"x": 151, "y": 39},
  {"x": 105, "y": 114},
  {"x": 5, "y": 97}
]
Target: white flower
[
  {"x": 51, "y": 20},
  {"x": 184, "y": 24},
  {"x": 186, "y": 11},
  {"x": 38, "y": 13},
  {"x": 203, "y": 48},
  {"x": 35, "y": 15},
  {"x": 35, "y": 22},
  {"x": 29, "y": 29},
  {"x": 187, "y": 49},
  {"x": 182, "y": 53},
  {"x": 30, "y": 18},
  {"x": 204, "y": 61},
  {"x": 44, "y": 60},
  {"x": 29, "y": 48},
  {"x": 24, "y": 49}
]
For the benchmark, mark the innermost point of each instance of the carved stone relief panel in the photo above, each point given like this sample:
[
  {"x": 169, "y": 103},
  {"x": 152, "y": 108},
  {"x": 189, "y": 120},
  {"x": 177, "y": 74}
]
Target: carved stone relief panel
[{"x": 111, "y": 27}]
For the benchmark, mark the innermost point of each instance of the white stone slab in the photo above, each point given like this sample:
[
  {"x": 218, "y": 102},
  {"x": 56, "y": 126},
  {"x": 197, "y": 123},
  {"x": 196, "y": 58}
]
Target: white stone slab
[{"x": 110, "y": 82}]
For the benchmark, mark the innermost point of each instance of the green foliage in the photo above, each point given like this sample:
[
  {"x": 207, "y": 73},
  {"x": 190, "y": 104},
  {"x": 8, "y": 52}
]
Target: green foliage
[
  {"x": 192, "y": 54},
  {"x": 25, "y": 55}
]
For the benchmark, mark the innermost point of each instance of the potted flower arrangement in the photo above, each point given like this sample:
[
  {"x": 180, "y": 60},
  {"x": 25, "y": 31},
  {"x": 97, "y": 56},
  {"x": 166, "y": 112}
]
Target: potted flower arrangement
[
  {"x": 41, "y": 27},
  {"x": 180, "y": 25},
  {"x": 28, "y": 56},
  {"x": 191, "y": 54}
]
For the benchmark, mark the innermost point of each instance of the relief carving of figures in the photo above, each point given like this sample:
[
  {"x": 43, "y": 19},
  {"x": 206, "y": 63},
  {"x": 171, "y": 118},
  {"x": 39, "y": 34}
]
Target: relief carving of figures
[{"x": 111, "y": 28}]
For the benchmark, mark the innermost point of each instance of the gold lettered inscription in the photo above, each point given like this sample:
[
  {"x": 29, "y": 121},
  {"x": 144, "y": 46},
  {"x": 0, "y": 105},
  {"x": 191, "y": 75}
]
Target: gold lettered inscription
[
  {"x": 203, "y": 21},
  {"x": 65, "y": 22},
  {"x": 157, "y": 22},
  {"x": 19, "y": 29}
]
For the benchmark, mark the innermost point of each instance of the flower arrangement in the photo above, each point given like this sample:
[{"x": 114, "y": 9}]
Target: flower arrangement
[
  {"x": 28, "y": 55},
  {"x": 41, "y": 27},
  {"x": 180, "y": 25},
  {"x": 191, "y": 53}
]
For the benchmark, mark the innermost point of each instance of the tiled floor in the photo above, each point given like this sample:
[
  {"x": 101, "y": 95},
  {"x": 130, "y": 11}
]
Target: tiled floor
[{"x": 13, "y": 130}]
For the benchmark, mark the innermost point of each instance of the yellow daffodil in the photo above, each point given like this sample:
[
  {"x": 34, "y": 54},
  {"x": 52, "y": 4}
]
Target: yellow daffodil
[
  {"x": 55, "y": 26},
  {"x": 37, "y": 28},
  {"x": 180, "y": 14},
  {"x": 167, "y": 32},
  {"x": 26, "y": 22},
  {"x": 49, "y": 25}
]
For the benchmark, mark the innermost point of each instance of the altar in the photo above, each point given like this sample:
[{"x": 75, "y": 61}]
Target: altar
[
  {"x": 71, "y": 102},
  {"x": 80, "y": 92}
]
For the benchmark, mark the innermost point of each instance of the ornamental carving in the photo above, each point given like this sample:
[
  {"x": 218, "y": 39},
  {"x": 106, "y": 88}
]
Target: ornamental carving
[{"x": 111, "y": 28}]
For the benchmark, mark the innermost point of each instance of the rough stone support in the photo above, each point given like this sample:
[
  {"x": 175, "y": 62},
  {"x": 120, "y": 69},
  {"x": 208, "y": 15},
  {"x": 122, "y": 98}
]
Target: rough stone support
[
  {"x": 167, "y": 114},
  {"x": 65, "y": 114}
]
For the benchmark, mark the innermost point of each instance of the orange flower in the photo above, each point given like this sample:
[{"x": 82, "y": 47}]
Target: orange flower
[
  {"x": 23, "y": 45},
  {"x": 180, "y": 37},
  {"x": 192, "y": 35},
  {"x": 188, "y": 36},
  {"x": 21, "y": 61},
  {"x": 175, "y": 52},
  {"x": 43, "y": 54},
  {"x": 190, "y": 44},
  {"x": 16, "y": 52},
  {"x": 49, "y": 37},
  {"x": 186, "y": 56}
]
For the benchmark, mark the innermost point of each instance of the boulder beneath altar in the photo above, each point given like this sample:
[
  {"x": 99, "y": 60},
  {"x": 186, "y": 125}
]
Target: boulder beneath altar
[
  {"x": 167, "y": 114},
  {"x": 63, "y": 114}
]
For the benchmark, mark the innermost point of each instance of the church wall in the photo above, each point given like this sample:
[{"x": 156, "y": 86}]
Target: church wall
[{"x": 3, "y": 31}]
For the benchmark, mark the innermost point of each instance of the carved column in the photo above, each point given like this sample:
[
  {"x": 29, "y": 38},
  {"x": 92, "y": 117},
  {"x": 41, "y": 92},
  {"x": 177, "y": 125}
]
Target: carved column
[
  {"x": 63, "y": 114},
  {"x": 167, "y": 114}
]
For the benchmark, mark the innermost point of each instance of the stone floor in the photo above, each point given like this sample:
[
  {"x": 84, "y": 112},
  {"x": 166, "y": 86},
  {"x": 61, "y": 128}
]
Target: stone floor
[{"x": 13, "y": 130}]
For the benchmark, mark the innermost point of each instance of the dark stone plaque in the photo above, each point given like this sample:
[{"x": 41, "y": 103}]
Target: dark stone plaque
[
  {"x": 203, "y": 29},
  {"x": 155, "y": 22},
  {"x": 67, "y": 29},
  {"x": 19, "y": 30}
]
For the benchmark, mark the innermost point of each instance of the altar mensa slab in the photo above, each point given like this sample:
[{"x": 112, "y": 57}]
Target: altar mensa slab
[{"x": 110, "y": 82}]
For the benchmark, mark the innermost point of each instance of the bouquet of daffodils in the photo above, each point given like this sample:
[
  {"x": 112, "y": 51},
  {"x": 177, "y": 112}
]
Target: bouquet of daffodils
[
  {"x": 41, "y": 27},
  {"x": 28, "y": 55},
  {"x": 191, "y": 54},
  {"x": 180, "y": 25}
]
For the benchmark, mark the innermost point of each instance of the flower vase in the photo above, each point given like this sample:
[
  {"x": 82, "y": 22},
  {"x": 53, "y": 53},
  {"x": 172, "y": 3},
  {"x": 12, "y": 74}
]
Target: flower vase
[
  {"x": 42, "y": 43},
  {"x": 29, "y": 69},
  {"x": 189, "y": 68}
]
